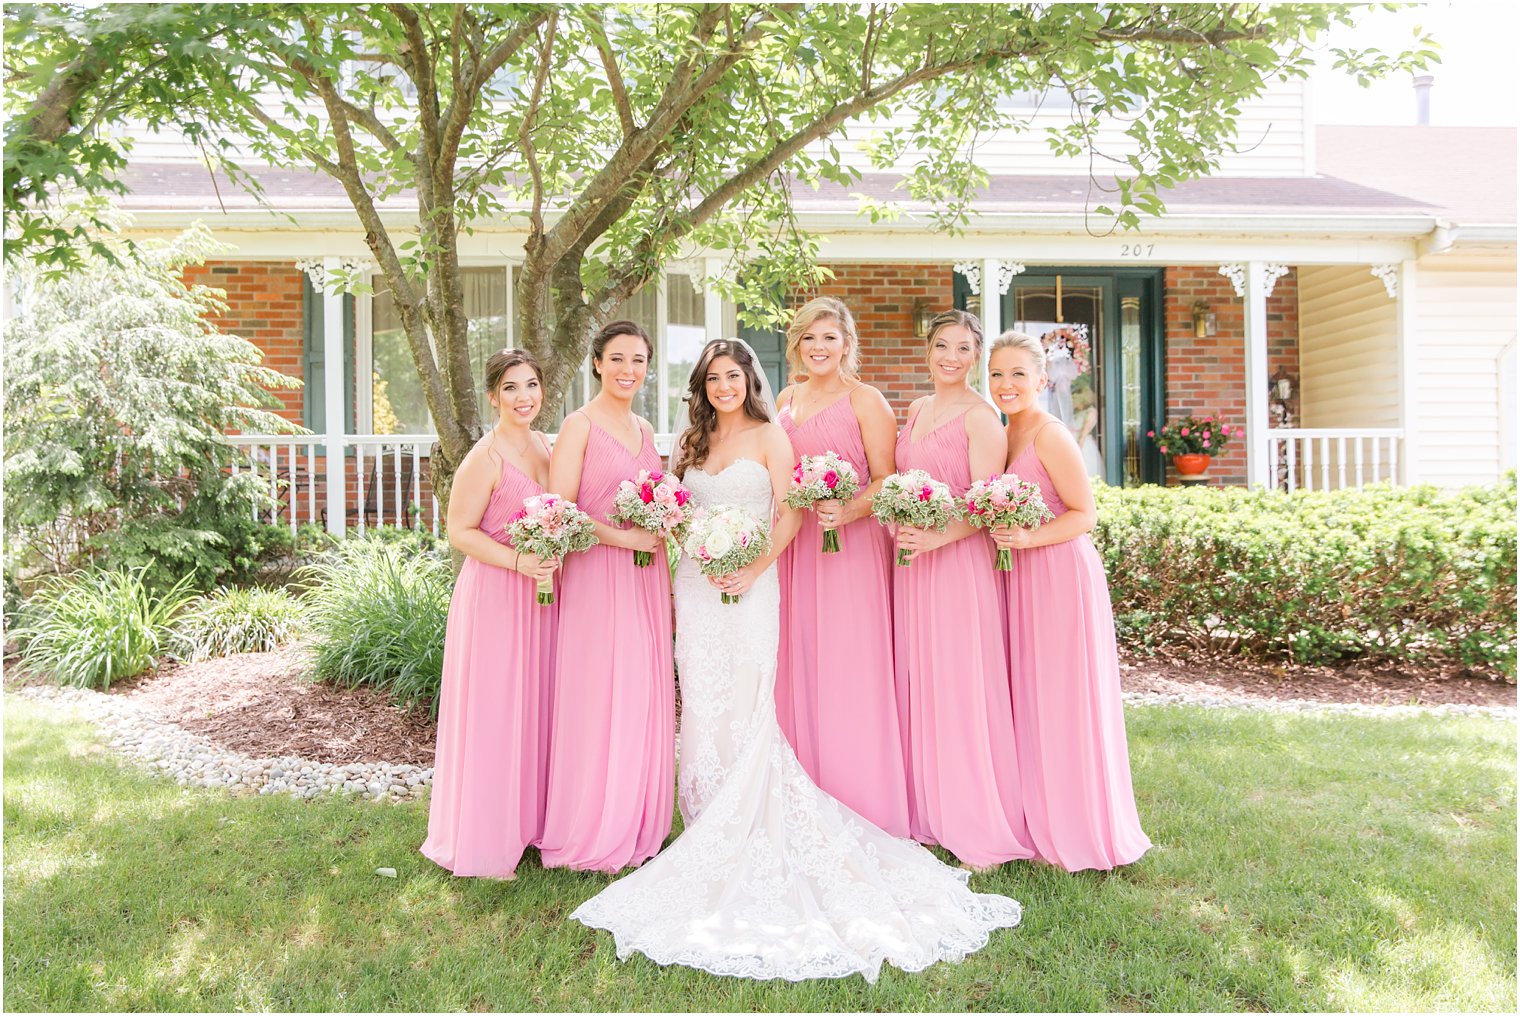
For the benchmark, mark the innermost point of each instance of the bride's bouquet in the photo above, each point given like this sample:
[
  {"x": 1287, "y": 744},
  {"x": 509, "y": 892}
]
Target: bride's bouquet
[
  {"x": 914, "y": 499},
  {"x": 822, "y": 478},
  {"x": 1002, "y": 502},
  {"x": 655, "y": 501},
  {"x": 548, "y": 525},
  {"x": 723, "y": 539}
]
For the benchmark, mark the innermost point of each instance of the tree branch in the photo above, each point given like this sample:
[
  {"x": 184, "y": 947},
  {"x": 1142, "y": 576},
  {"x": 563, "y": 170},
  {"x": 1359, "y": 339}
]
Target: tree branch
[
  {"x": 614, "y": 76},
  {"x": 525, "y": 133}
]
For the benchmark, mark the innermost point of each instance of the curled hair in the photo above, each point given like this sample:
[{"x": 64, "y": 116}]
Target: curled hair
[
  {"x": 696, "y": 441},
  {"x": 610, "y": 332},
  {"x": 504, "y": 360},
  {"x": 807, "y": 316},
  {"x": 948, "y": 319},
  {"x": 1024, "y": 342}
]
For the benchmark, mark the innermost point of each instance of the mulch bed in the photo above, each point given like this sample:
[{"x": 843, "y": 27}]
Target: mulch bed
[
  {"x": 1380, "y": 684},
  {"x": 266, "y": 705}
]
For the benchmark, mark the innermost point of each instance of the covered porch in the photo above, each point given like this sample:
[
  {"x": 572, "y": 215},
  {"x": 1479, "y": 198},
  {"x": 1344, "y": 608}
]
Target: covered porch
[{"x": 1308, "y": 356}]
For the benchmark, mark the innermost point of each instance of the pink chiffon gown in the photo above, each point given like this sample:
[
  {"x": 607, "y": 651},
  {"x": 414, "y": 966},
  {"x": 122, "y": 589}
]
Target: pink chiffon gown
[
  {"x": 489, "y": 772},
  {"x": 1073, "y": 756},
  {"x": 835, "y": 699},
  {"x": 952, "y": 679},
  {"x": 612, "y": 727}
]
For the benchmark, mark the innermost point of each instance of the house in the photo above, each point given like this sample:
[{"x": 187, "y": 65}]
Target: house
[{"x": 1347, "y": 294}]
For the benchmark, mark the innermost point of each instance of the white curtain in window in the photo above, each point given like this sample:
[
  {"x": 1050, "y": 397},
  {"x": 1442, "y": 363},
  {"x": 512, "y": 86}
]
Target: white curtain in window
[{"x": 397, "y": 402}]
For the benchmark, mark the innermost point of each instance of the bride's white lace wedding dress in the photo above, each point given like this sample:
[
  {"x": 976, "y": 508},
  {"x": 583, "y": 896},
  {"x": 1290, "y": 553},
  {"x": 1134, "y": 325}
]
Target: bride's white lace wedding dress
[{"x": 772, "y": 877}]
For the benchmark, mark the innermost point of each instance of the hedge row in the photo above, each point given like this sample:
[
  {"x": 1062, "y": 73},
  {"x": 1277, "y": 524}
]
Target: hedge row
[{"x": 1415, "y": 573}]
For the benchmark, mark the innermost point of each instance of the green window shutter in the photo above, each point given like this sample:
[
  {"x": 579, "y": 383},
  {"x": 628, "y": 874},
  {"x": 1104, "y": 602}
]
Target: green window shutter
[{"x": 313, "y": 363}]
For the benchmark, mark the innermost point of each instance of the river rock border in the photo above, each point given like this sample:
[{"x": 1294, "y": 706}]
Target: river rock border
[{"x": 193, "y": 761}]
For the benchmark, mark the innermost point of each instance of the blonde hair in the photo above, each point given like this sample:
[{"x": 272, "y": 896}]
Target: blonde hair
[
  {"x": 948, "y": 318},
  {"x": 810, "y": 314},
  {"x": 1023, "y": 342}
]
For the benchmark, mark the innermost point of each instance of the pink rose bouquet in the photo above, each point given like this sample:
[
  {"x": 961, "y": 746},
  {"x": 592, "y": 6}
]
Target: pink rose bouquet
[
  {"x": 548, "y": 525},
  {"x": 914, "y": 499},
  {"x": 655, "y": 501},
  {"x": 724, "y": 539},
  {"x": 1002, "y": 502},
  {"x": 822, "y": 478}
]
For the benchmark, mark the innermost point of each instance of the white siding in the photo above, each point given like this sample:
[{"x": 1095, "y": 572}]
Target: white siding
[
  {"x": 1347, "y": 349},
  {"x": 1464, "y": 319},
  {"x": 1274, "y": 135}
]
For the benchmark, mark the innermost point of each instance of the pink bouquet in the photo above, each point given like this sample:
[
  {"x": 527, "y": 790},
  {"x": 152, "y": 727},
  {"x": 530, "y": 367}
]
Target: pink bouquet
[
  {"x": 724, "y": 539},
  {"x": 548, "y": 525},
  {"x": 655, "y": 501},
  {"x": 914, "y": 499},
  {"x": 822, "y": 478},
  {"x": 1002, "y": 502}
]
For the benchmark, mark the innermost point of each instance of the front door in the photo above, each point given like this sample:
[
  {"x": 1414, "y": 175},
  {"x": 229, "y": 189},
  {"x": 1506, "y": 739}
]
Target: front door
[{"x": 1103, "y": 348}]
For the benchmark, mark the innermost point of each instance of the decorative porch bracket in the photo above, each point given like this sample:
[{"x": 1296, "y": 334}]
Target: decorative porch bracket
[
  {"x": 1388, "y": 275},
  {"x": 992, "y": 268},
  {"x": 1266, "y": 281}
]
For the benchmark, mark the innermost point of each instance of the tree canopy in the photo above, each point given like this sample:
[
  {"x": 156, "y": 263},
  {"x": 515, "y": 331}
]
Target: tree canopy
[{"x": 624, "y": 136}]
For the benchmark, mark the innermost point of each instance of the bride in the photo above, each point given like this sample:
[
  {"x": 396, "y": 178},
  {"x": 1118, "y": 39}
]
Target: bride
[{"x": 772, "y": 877}]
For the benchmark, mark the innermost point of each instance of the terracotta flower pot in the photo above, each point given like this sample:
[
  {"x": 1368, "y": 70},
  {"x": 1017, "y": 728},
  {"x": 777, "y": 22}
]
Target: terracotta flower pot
[{"x": 1191, "y": 465}]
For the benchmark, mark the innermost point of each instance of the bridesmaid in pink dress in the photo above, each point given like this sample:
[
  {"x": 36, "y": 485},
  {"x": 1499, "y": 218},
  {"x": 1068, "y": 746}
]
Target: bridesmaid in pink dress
[
  {"x": 834, "y": 684},
  {"x": 612, "y": 734},
  {"x": 952, "y": 651},
  {"x": 1073, "y": 756},
  {"x": 489, "y": 771}
]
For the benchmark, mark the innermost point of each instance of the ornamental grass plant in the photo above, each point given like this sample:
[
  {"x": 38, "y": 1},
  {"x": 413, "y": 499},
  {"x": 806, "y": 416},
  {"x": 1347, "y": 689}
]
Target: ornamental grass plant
[
  {"x": 378, "y": 609},
  {"x": 94, "y": 627},
  {"x": 253, "y": 620},
  {"x": 1415, "y": 573}
]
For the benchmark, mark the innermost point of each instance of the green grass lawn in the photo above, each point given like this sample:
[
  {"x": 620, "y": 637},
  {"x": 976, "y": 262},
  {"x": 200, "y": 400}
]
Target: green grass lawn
[{"x": 1304, "y": 862}]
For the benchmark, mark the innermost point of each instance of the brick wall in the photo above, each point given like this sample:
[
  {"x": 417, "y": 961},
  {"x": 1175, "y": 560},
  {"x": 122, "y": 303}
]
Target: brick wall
[
  {"x": 881, "y": 298},
  {"x": 263, "y": 306},
  {"x": 1209, "y": 375}
]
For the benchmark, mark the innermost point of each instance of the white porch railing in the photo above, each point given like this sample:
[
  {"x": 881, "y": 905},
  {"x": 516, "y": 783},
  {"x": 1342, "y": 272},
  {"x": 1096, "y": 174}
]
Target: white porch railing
[
  {"x": 1318, "y": 458},
  {"x": 387, "y": 478}
]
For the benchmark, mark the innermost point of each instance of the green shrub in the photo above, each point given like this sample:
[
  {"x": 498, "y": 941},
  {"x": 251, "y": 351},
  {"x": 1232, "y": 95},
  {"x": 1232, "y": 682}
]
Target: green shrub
[
  {"x": 119, "y": 391},
  {"x": 378, "y": 608},
  {"x": 1383, "y": 572},
  {"x": 94, "y": 627},
  {"x": 255, "y": 620}
]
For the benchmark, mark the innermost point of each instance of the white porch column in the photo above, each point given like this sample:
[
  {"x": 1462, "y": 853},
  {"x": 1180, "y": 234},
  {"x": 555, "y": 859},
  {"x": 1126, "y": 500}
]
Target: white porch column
[
  {"x": 333, "y": 424},
  {"x": 1257, "y": 286},
  {"x": 992, "y": 316},
  {"x": 1407, "y": 334},
  {"x": 712, "y": 300}
]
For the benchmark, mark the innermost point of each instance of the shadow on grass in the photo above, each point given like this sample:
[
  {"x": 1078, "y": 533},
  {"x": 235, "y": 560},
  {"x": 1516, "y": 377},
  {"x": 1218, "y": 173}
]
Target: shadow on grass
[{"x": 1305, "y": 863}]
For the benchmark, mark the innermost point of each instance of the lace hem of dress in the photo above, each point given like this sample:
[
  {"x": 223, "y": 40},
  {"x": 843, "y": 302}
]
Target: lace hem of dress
[{"x": 994, "y": 912}]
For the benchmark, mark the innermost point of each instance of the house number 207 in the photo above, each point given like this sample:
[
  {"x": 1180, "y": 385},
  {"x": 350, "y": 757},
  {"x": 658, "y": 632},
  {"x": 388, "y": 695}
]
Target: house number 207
[{"x": 1137, "y": 250}]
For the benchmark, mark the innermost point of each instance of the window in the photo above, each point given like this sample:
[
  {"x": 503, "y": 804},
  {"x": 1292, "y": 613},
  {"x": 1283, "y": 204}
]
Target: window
[
  {"x": 673, "y": 311},
  {"x": 397, "y": 405}
]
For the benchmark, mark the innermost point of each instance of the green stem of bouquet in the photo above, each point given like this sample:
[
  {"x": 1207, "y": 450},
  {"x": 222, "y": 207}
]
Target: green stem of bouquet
[
  {"x": 642, "y": 558},
  {"x": 831, "y": 541}
]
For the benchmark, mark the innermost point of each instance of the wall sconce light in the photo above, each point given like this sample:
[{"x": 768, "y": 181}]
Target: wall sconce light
[
  {"x": 1205, "y": 322},
  {"x": 923, "y": 313},
  {"x": 1280, "y": 397}
]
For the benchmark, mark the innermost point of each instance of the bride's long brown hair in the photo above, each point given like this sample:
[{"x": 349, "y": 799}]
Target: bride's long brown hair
[{"x": 697, "y": 438}]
